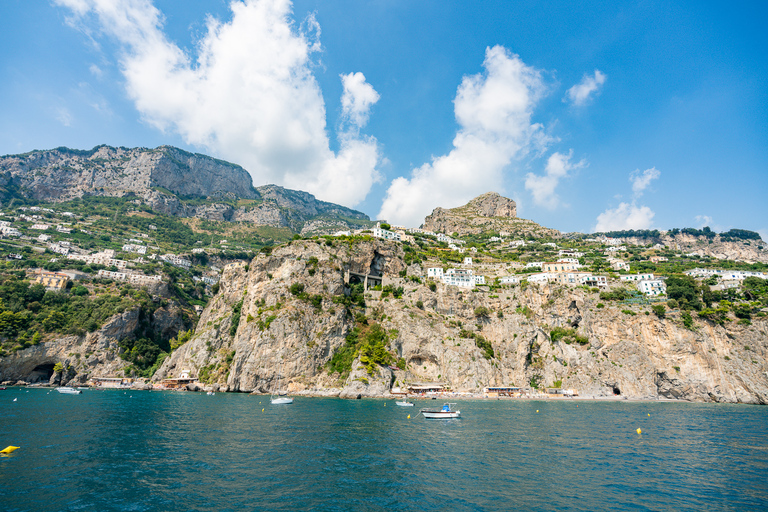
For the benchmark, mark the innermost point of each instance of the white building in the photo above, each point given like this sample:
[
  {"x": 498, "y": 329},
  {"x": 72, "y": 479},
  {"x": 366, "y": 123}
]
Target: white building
[
  {"x": 43, "y": 238},
  {"x": 509, "y": 280},
  {"x": 120, "y": 276},
  {"x": 467, "y": 261},
  {"x": 479, "y": 280},
  {"x": 652, "y": 287},
  {"x": 435, "y": 272},
  {"x": 636, "y": 277},
  {"x": 444, "y": 238},
  {"x": 618, "y": 264},
  {"x": 542, "y": 277},
  {"x": 41, "y": 227},
  {"x": 385, "y": 234},
  {"x": 533, "y": 264},
  {"x": 517, "y": 243},
  {"x": 464, "y": 278},
  {"x": 597, "y": 281},
  {"x": 173, "y": 259},
  {"x": 135, "y": 248}
]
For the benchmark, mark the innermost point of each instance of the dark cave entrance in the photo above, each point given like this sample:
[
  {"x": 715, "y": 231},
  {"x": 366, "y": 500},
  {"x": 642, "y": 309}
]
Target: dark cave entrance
[
  {"x": 616, "y": 390},
  {"x": 41, "y": 373}
]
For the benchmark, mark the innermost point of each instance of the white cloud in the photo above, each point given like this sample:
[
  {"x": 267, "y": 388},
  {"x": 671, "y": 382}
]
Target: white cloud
[
  {"x": 640, "y": 181},
  {"x": 247, "y": 94},
  {"x": 64, "y": 116},
  {"x": 579, "y": 94},
  {"x": 703, "y": 220},
  {"x": 543, "y": 187},
  {"x": 494, "y": 112},
  {"x": 625, "y": 216},
  {"x": 357, "y": 99}
]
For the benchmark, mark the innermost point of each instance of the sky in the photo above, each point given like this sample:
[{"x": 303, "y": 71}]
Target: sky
[{"x": 592, "y": 116}]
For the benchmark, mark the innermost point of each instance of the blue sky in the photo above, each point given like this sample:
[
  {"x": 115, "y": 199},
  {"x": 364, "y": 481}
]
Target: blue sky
[{"x": 607, "y": 115}]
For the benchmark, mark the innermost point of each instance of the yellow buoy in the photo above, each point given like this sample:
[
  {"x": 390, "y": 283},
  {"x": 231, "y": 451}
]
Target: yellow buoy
[
  {"x": 409, "y": 416},
  {"x": 262, "y": 410},
  {"x": 639, "y": 431},
  {"x": 537, "y": 410},
  {"x": 649, "y": 414},
  {"x": 9, "y": 449}
]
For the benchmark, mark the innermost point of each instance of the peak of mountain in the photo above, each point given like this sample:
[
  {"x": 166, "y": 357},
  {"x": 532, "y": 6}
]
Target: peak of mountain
[
  {"x": 171, "y": 181},
  {"x": 487, "y": 213}
]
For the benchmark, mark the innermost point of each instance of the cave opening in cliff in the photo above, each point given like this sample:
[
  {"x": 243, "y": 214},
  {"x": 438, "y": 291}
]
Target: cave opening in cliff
[
  {"x": 616, "y": 390},
  {"x": 41, "y": 373}
]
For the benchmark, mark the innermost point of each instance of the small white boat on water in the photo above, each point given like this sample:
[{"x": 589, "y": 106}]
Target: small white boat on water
[
  {"x": 444, "y": 413},
  {"x": 404, "y": 403},
  {"x": 281, "y": 400},
  {"x": 65, "y": 390}
]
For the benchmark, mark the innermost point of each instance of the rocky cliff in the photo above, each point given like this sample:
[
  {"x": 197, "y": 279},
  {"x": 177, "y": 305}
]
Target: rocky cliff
[
  {"x": 95, "y": 354},
  {"x": 166, "y": 178},
  {"x": 466, "y": 339},
  {"x": 488, "y": 213}
]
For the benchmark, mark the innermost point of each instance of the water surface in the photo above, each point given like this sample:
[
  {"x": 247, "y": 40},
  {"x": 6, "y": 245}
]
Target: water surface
[{"x": 169, "y": 451}]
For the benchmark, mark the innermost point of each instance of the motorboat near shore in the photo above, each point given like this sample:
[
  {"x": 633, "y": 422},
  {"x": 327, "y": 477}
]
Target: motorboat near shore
[
  {"x": 64, "y": 390},
  {"x": 445, "y": 413},
  {"x": 404, "y": 403}
]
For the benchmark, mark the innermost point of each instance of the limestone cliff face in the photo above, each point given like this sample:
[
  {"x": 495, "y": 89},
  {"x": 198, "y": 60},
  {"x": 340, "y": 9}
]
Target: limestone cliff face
[
  {"x": 282, "y": 338},
  {"x": 489, "y": 212},
  {"x": 161, "y": 176},
  {"x": 95, "y": 354},
  {"x": 61, "y": 173}
]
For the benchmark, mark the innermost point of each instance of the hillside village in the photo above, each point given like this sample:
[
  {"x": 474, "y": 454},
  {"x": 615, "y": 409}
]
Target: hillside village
[{"x": 130, "y": 285}]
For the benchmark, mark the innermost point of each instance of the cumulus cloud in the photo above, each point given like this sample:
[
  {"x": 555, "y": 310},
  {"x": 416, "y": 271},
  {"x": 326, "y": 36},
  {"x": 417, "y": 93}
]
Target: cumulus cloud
[
  {"x": 493, "y": 110},
  {"x": 580, "y": 93},
  {"x": 246, "y": 93},
  {"x": 357, "y": 99},
  {"x": 641, "y": 180},
  {"x": 625, "y": 216},
  {"x": 703, "y": 220},
  {"x": 542, "y": 188}
]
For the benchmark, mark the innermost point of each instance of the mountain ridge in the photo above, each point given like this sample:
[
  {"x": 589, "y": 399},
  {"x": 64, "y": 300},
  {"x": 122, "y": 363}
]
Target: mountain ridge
[{"x": 171, "y": 181}]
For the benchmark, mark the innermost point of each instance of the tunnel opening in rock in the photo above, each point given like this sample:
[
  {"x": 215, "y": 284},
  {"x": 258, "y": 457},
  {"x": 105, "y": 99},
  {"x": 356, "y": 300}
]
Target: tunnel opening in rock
[
  {"x": 41, "y": 373},
  {"x": 616, "y": 390}
]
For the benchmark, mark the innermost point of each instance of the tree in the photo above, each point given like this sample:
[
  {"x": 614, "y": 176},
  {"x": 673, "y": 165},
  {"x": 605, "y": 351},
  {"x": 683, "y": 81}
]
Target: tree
[
  {"x": 659, "y": 310},
  {"x": 482, "y": 312}
]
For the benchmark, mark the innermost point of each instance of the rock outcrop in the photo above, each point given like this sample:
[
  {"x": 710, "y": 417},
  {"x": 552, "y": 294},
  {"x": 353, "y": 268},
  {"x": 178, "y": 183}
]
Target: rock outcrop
[
  {"x": 95, "y": 354},
  {"x": 488, "y": 213},
  {"x": 467, "y": 339}
]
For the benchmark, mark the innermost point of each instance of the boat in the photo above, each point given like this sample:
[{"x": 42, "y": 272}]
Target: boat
[
  {"x": 444, "y": 413},
  {"x": 404, "y": 403},
  {"x": 278, "y": 397},
  {"x": 64, "y": 390},
  {"x": 210, "y": 393}
]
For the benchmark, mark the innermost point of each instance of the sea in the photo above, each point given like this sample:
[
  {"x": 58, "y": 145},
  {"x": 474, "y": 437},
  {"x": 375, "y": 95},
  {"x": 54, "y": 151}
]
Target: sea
[{"x": 126, "y": 450}]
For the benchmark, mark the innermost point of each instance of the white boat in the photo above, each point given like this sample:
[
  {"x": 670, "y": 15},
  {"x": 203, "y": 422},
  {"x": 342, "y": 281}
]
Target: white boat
[
  {"x": 210, "y": 393},
  {"x": 278, "y": 397},
  {"x": 64, "y": 390},
  {"x": 444, "y": 413},
  {"x": 404, "y": 403}
]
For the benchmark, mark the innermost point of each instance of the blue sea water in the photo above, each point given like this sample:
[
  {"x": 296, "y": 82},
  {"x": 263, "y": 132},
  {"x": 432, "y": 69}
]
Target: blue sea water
[{"x": 171, "y": 451}]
